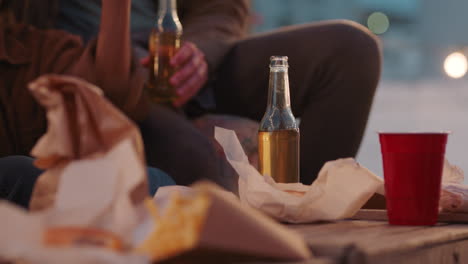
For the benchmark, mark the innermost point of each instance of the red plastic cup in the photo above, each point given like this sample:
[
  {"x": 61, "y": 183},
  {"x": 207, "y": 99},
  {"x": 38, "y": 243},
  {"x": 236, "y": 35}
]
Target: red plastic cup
[{"x": 413, "y": 164}]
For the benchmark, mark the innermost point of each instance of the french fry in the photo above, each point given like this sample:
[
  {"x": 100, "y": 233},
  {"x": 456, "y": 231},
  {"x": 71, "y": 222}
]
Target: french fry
[{"x": 178, "y": 229}]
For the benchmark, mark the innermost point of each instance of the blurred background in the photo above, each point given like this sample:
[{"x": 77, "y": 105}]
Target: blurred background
[{"x": 424, "y": 83}]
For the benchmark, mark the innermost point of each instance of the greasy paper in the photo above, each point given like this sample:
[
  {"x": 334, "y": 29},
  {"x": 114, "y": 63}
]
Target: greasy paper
[
  {"x": 91, "y": 193},
  {"x": 454, "y": 194},
  {"x": 239, "y": 228},
  {"x": 236, "y": 232},
  {"x": 82, "y": 125},
  {"x": 341, "y": 189},
  {"x": 95, "y": 176},
  {"x": 452, "y": 174},
  {"x": 22, "y": 236}
]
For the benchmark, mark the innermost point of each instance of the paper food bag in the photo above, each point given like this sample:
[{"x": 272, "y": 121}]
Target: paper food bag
[
  {"x": 95, "y": 180},
  {"x": 341, "y": 189},
  {"x": 209, "y": 225},
  {"x": 93, "y": 152},
  {"x": 22, "y": 242},
  {"x": 82, "y": 125}
]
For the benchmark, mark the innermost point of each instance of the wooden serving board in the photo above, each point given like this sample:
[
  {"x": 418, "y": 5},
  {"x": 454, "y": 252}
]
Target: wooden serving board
[{"x": 381, "y": 215}]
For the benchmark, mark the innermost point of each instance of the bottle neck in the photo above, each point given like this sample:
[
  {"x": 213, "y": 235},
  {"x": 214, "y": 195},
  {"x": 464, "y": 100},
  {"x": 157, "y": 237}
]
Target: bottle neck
[
  {"x": 278, "y": 96},
  {"x": 167, "y": 7},
  {"x": 168, "y": 20}
]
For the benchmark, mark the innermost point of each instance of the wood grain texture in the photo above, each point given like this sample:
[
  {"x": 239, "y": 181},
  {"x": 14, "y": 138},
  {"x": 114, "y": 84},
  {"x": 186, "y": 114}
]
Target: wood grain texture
[
  {"x": 381, "y": 215},
  {"x": 311, "y": 261},
  {"x": 375, "y": 242}
]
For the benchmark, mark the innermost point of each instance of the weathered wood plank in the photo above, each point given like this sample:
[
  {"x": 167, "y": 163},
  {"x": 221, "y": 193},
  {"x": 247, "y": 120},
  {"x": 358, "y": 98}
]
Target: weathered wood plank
[
  {"x": 311, "y": 261},
  {"x": 349, "y": 232},
  {"x": 346, "y": 240},
  {"x": 447, "y": 253},
  {"x": 336, "y": 240},
  {"x": 416, "y": 239},
  {"x": 381, "y": 215}
]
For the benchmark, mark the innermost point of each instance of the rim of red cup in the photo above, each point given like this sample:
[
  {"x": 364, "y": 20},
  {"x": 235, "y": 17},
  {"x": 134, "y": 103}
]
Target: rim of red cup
[{"x": 443, "y": 132}]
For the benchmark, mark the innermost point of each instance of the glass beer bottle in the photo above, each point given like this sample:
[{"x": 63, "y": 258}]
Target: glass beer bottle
[
  {"x": 278, "y": 135},
  {"x": 164, "y": 41}
]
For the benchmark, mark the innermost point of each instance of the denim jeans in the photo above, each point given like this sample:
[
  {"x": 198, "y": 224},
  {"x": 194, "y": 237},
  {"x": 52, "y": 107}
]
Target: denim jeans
[{"x": 18, "y": 175}]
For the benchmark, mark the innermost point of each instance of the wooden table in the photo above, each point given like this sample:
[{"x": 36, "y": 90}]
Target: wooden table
[{"x": 369, "y": 242}]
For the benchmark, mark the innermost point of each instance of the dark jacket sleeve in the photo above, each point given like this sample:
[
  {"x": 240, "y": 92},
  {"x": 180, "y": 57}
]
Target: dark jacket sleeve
[
  {"x": 39, "y": 13},
  {"x": 214, "y": 25}
]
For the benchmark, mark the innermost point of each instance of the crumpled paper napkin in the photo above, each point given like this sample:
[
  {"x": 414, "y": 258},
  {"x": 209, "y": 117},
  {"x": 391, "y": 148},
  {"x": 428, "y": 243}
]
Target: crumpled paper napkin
[
  {"x": 95, "y": 176},
  {"x": 454, "y": 194},
  {"x": 341, "y": 189}
]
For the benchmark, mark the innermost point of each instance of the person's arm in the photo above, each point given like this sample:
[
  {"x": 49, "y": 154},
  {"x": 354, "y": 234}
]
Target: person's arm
[
  {"x": 106, "y": 61},
  {"x": 113, "y": 51},
  {"x": 210, "y": 29},
  {"x": 214, "y": 25}
]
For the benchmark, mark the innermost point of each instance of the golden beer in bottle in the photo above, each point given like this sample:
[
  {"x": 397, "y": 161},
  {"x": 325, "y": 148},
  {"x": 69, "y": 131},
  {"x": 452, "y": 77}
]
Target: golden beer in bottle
[
  {"x": 278, "y": 135},
  {"x": 164, "y": 42}
]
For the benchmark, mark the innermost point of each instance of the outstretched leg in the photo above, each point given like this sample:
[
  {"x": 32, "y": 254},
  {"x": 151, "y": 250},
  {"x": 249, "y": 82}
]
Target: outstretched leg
[
  {"x": 174, "y": 145},
  {"x": 334, "y": 71}
]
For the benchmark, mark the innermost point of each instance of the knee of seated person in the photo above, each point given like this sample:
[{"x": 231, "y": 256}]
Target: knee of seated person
[{"x": 353, "y": 39}]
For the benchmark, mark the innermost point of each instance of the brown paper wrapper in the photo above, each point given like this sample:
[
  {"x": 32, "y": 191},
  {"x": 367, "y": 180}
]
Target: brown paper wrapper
[
  {"x": 82, "y": 124},
  {"x": 233, "y": 233},
  {"x": 296, "y": 202}
]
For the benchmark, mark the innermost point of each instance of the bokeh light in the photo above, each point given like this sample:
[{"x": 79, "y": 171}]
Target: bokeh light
[
  {"x": 456, "y": 65},
  {"x": 378, "y": 23}
]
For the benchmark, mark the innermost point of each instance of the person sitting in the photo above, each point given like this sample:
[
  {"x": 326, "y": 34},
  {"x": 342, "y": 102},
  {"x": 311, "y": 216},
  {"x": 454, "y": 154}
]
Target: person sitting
[
  {"x": 27, "y": 52},
  {"x": 335, "y": 69}
]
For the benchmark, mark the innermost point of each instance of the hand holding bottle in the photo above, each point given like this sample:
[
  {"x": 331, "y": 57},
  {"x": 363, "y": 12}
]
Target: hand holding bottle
[{"x": 191, "y": 74}]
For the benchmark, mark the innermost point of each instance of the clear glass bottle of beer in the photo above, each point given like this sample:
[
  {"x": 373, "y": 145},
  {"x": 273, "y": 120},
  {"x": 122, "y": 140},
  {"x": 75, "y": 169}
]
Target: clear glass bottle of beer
[
  {"x": 164, "y": 41},
  {"x": 278, "y": 135}
]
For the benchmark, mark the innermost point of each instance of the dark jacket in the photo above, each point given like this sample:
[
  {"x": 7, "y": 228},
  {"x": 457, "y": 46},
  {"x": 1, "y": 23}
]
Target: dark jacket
[
  {"x": 27, "y": 53},
  {"x": 213, "y": 25}
]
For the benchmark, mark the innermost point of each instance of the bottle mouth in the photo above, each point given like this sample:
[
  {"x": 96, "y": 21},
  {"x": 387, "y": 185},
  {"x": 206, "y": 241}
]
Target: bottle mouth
[{"x": 279, "y": 61}]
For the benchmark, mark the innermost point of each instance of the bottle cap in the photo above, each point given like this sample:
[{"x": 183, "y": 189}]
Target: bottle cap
[{"x": 279, "y": 61}]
